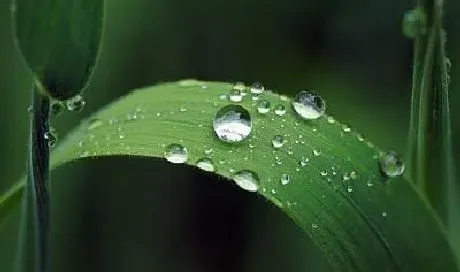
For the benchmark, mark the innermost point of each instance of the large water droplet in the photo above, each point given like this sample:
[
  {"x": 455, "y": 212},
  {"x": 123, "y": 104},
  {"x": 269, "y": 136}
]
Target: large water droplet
[
  {"x": 278, "y": 141},
  {"x": 232, "y": 123},
  {"x": 56, "y": 108},
  {"x": 280, "y": 110},
  {"x": 235, "y": 95},
  {"x": 205, "y": 164},
  {"x": 391, "y": 164},
  {"x": 76, "y": 103},
  {"x": 247, "y": 180},
  {"x": 51, "y": 137},
  {"x": 263, "y": 106},
  {"x": 309, "y": 105},
  {"x": 176, "y": 153},
  {"x": 239, "y": 86},
  {"x": 285, "y": 179},
  {"x": 257, "y": 88}
]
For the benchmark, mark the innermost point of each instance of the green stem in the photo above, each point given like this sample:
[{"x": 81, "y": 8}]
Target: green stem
[
  {"x": 430, "y": 158},
  {"x": 35, "y": 225}
]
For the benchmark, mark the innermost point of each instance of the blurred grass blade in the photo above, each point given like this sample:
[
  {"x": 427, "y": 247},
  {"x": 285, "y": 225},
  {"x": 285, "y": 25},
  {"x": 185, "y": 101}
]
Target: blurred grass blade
[
  {"x": 430, "y": 144},
  {"x": 59, "y": 40},
  {"x": 359, "y": 218}
]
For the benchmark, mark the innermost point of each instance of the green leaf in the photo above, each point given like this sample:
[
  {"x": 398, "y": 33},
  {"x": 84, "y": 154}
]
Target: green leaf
[
  {"x": 363, "y": 222},
  {"x": 59, "y": 40}
]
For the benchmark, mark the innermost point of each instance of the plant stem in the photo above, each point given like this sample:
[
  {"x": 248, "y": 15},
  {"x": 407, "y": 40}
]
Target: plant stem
[
  {"x": 430, "y": 158},
  {"x": 34, "y": 236}
]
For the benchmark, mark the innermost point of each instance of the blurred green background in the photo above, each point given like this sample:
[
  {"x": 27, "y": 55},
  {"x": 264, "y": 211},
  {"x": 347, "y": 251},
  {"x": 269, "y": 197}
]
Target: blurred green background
[{"x": 144, "y": 215}]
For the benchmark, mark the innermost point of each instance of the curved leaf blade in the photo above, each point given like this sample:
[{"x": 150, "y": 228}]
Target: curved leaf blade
[{"x": 363, "y": 222}]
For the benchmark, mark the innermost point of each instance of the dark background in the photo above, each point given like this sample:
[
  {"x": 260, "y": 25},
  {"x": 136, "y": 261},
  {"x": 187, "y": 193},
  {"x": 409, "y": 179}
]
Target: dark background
[{"x": 145, "y": 215}]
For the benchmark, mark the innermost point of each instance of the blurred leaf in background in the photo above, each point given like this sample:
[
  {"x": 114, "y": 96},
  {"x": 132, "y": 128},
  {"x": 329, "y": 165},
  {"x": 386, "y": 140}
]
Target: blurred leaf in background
[{"x": 352, "y": 52}]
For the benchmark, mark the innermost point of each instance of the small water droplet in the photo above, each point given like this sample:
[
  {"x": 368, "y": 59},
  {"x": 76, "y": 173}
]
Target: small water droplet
[
  {"x": 330, "y": 120},
  {"x": 176, "y": 153},
  {"x": 263, "y": 106},
  {"x": 304, "y": 161},
  {"x": 309, "y": 105},
  {"x": 235, "y": 95},
  {"x": 94, "y": 123},
  {"x": 360, "y": 137},
  {"x": 232, "y": 123},
  {"x": 76, "y": 103},
  {"x": 314, "y": 226},
  {"x": 247, "y": 180},
  {"x": 277, "y": 141},
  {"x": 51, "y": 137},
  {"x": 56, "y": 108},
  {"x": 350, "y": 189},
  {"x": 353, "y": 175},
  {"x": 391, "y": 164},
  {"x": 257, "y": 88},
  {"x": 205, "y": 164},
  {"x": 345, "y": 176},
  {"x": 207, "y": 150},
  {"x": 285, "y": 179},
  {"x": 369, "y": 183},
  {"x": 316, "y": 152},
  {"x": 280, "y": 110},
  {"x": 239, "y": 86},
  {"x": 223, "y": 97},
  {"x": 384, "y": 214},
  {"x": 255, "y": 97},
  {"x": 346, "y": 128},
  {"x": 323, "y": 173}
]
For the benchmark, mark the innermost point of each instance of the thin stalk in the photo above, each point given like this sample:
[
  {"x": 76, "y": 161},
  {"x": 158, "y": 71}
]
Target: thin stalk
[
  {"x": 430, "y": 157},
  {"x": 35, "y": 226}
]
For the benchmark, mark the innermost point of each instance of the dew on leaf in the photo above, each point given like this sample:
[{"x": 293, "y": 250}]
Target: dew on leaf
[
  {"x": 346, "y": 128},
  {"x": 257, "y": 88},
  {"x": 56, "y": 108},
  {"x": 239, "y": 86},
  {"x": 205, "y": 164},
  {"x": 247, "y": 180},
  {"x": 316, "y": 152},
  {"x": 285, "y": 179},
  {"x": 304, "y": 161},
  {"x": 235, "y": 95},
  {"x": 232, "y": 123},
  {"x": 280, "y": 110},
  {"x": 391, "y": 164},
  {"x": 263, "y": 106},
  {"x": 176, "y": 153},
  {"x": 76, "y": 103},
  {"x": 51, "y": 137},
  {"x": 309, "y": 105},
  {"x": 277, "y": 141}
]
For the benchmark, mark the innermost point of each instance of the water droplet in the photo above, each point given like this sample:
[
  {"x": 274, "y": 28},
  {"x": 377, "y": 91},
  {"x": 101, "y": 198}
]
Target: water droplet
[
  {"x": 94, "y": 123},
  {"x": 346, "y": 128},
  {"x": 56, "y": 108},
  {"x": 263, "y": 106},
  {"x": 51, "y": 137},
  {"x": 278, "y": 141},
  {"x": 235, "y": 95},
  {"x": 239, "y": 86},
  {"x": 285, "y": 179},
  {"x": 223, "y": 97},
  {"x": 350, "y": 189},
  {"x": 176, "y": 153},
  {"x": 414, "y": 23},
  {"x": 304, "y": 161},
  {"x": 316, "y": 152},
  {"x": 247, "y": 180},
  {"x": 369, "y": 183},
  {"x": 314, "y": 226},
  {"x": 360, "y": 137},
  {"x": 232, "y": 123},
  {"x": 76, "y": 103},
  {"x": 323, "y": 173},
  {"x": 207, "y": 150},
  {"x": 345, "y": 176},
  {"x": 205, "y": 164},
  {"x": 384, "y": 214},
  {"x": 257, "y": 88},
  {"x": 309, "y": 105},
  {"x": 280, "y": 110},
  {"x": 391, "y": 164},
  {"x": 255, "y": 97},
  {"x": 353, "y": 175},
  {"x": 330, "y": 120}
]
